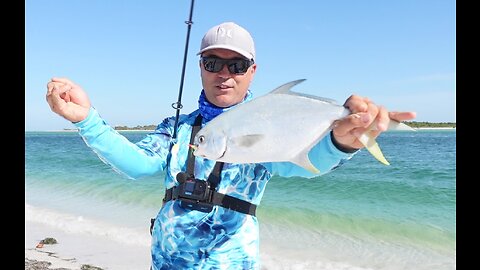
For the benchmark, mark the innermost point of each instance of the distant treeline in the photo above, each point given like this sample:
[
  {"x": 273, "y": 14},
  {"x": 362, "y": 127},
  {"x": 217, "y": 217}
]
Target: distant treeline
[
  {"x": 413, "y": 124},
  {"x": 149, "y": 127}
]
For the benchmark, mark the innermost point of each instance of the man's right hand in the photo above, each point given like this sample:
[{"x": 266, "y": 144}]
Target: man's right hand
[{"x": 67, "y": 99}]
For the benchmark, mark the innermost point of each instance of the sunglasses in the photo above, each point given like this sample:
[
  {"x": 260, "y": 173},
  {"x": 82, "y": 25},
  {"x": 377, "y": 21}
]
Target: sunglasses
[{"x": 235, "y": 66}]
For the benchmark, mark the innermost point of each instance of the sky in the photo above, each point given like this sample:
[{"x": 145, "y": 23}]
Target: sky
[{"x": 128, "y": 55}]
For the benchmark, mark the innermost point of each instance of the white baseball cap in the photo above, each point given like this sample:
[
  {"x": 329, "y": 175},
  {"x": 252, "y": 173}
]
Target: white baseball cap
[{"x": 230, "y": 36}]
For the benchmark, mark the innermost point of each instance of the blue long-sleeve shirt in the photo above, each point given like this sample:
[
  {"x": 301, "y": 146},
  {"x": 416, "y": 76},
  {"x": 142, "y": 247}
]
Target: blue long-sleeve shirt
[{"x": 190, "y": 239}]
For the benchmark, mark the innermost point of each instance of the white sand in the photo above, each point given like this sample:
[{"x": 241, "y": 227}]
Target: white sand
[{"x": 75, "y": 249}]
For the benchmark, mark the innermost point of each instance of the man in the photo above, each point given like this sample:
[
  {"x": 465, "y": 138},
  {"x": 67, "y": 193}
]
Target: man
[{"x": 218, "y": 231}]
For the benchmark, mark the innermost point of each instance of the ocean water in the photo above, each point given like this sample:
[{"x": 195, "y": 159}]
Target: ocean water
[{"x": 364, "y": 215}]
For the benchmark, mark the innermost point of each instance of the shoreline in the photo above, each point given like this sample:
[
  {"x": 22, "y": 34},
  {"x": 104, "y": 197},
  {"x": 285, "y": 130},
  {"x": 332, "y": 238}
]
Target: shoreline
[
  {"x": 435, "y": 128},
  {"x": 74, "y": 130},
  {"x": 91, "y": 249},
  {"x": 74, "y": 250},
  {"x": 149, "y": 130}
]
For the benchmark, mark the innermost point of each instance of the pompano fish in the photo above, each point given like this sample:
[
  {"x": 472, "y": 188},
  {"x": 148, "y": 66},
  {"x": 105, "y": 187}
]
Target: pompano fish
[{"x": 279, "y": 126}]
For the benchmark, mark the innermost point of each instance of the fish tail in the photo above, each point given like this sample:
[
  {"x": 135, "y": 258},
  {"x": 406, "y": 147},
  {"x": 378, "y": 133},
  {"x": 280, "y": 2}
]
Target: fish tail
[{"x": 372, "y": 147}]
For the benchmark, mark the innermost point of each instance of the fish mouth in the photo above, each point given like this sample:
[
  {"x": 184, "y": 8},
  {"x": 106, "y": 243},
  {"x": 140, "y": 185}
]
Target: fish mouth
[{"x": 223, "y": 154}]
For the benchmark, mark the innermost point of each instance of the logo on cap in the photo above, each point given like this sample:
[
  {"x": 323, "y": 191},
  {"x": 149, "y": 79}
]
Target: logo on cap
[{"x": 225, "y": 32}]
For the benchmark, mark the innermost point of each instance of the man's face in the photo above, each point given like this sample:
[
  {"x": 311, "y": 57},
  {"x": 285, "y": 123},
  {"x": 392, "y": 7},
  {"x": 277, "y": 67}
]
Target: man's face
[{"x": 223, "y": 88}]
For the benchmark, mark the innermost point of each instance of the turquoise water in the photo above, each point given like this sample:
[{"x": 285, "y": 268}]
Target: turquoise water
[{"x": 364, "y": 215}]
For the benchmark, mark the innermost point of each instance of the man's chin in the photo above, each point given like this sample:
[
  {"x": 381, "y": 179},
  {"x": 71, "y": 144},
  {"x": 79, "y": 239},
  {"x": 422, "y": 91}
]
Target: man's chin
[{"x": 224, "y": 101}]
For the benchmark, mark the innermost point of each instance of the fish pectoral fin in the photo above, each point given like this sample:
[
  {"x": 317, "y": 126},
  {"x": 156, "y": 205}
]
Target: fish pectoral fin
[
  {"x": 372, "y": 147},
  {"x": 303, "y": 161},
  {"x": 248, "y": 140}
]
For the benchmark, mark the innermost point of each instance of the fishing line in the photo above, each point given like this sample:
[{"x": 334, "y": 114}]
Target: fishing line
[{"x": 178, "y": 105}]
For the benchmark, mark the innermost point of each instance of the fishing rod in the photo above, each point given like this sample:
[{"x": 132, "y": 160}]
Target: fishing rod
[{"x": 178, "y": 105}]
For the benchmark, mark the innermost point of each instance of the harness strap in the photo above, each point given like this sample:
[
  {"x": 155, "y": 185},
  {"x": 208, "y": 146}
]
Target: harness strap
[
  {"x": 197, "y": 125},
  {"x": 217, "y": 198},
  {"x": 223, "y": 200}
]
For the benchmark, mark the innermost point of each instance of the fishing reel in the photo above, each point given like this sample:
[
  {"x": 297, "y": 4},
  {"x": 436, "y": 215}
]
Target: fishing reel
[{"x": 194, "y": 194}]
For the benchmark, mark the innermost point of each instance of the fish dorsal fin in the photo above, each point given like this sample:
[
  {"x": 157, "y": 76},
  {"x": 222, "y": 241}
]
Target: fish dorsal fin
[
  {"x": 247, "y": 140},
  {"x": 285, "y": 89}
]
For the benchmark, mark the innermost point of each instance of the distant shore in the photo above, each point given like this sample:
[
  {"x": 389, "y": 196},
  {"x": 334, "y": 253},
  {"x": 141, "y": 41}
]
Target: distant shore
[
  {"x": 74, "y": 130},
  {"x": 434, "y": 128},
  {"x": 149, "y": 130}
]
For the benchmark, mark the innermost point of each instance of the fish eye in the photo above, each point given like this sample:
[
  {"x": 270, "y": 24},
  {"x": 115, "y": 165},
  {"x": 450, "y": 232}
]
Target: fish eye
[{"x": 201, "y": 139}]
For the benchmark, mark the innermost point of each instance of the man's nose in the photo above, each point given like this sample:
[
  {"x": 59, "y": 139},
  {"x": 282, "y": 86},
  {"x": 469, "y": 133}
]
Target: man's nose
[{"x": 224, "y": 72}]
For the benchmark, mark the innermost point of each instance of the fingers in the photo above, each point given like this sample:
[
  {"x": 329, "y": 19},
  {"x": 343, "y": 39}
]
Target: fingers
[
  {"x": 62, "y": 80},
  {"x": 365, "y": 117},
  {"x": 357, "y": 104},
  {"x": 59, "y": 88},
  {"x": 402, "y": 116},
  {"x": 64, "y": 86},
  {"x": 56, "y": 91},
  {"x": 54, "y": 99},
  {"x": 347, "y": 124},
  {"x": 382, "y": 119},
  {"x": 50, "y": 101},
  {"x": 343, "y": 130},
  {"x": 50, "y": 86},
  {"x": 67, "y": 99},
  {"x": 57, "y": 95}
]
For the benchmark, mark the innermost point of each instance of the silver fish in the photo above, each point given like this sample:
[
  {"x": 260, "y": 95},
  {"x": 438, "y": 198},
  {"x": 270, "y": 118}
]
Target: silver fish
[{"x": 279, "y": 126}]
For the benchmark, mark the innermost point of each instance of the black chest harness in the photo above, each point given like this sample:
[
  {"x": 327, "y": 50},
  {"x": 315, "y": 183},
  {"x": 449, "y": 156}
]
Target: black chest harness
[{"x": 199, "y": 194}]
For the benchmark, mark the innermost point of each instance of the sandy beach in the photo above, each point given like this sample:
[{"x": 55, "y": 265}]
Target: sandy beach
[
  {"x": 82, "y": 251},
  {"x": 75, "y": 250}
]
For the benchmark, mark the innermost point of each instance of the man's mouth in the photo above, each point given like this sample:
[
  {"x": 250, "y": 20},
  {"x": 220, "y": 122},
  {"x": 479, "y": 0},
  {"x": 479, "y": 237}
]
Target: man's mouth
[{"x": 223, "y": 86}]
